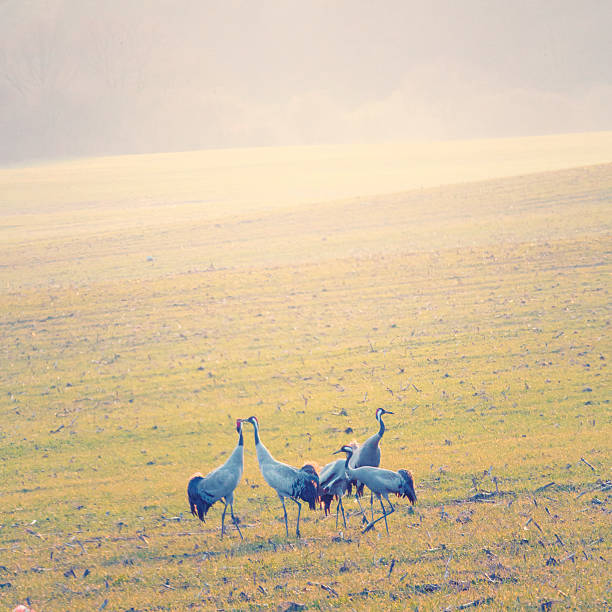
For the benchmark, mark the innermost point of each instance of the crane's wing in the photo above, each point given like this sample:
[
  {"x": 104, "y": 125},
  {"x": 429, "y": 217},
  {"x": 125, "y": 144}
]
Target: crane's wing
[
  {"x": 368, "y": 453},
  {"x": 331, "y": 473},
  {"x": 327, "y": 471},
  {"x": 219, "y": 483},
  {"x": 378, "y": 480},
  {"x": 279, "y": 476}
]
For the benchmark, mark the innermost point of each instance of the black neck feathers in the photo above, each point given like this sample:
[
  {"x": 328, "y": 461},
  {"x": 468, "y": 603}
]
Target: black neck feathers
[
  {"x": 240, "y": 439},
  {"x": 381, "y": 431},
  {"x": 256, "y": 432}
]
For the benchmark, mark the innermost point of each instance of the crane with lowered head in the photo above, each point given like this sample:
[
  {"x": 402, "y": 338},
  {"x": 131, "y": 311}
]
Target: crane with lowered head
[{"x": 333, "y": 482}]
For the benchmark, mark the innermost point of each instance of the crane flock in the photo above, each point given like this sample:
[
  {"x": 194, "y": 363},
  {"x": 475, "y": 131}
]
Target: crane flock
[{"x": 334, "y": 480}]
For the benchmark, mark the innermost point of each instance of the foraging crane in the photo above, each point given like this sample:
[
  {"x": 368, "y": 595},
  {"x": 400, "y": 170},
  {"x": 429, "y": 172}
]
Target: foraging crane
[
  {"x": 204, "y": 491},
  {"x": 368, "y": 454},
  {"x": 334, "y": 483},
  {"x": 381, "y": 483},
  {"x": 286, "y": 480}
]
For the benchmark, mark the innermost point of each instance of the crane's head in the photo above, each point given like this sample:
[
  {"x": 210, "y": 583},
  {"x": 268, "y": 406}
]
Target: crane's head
[
  {"x": 238, "y": 425},
  {"x": 347, "y": 448},
  {"x": 253, "y": 421},
  {"x": 380, "y": 412}
]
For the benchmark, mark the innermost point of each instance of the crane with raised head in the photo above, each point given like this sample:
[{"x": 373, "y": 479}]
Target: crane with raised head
[
  {"x": 368, "y": 454},
  {"x": 204, "y": 491},
  {"x": 381, "y": 483},
  {"x": 286, "y": 480}
]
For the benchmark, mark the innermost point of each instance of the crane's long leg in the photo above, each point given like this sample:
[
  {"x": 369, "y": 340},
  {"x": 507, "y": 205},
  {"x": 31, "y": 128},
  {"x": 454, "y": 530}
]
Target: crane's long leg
[
  {"x": 223, "y": 520},
  {"x": 337, "y": 511},
  {"x": 341, "y": 505},
  {"x": 285, "y": 511},
  {"x": 365, "y": 520},
  {"x": 384, "y": 514},
  {"x": 380, "y": 518},
  {"x": 372, "y": 504},
  {"x": 235, "y": 520},
  {"x": 297, "y": 528}
]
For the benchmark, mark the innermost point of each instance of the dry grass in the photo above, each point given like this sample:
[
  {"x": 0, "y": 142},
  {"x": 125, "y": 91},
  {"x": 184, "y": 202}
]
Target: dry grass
[{"x": 478, "y": 313}]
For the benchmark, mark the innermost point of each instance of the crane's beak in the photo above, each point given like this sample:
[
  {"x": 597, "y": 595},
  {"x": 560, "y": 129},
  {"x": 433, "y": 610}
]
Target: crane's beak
[{"x": 387, "y": 411}]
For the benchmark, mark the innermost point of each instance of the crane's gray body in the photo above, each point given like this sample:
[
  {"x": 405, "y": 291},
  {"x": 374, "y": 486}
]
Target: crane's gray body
[
  {"x": 369, "y": 452},
  {"x": 286, "y": 480},
  {"x": 222, "y": 481},
  {"x": 204, "y": 491},
  {"x": 381, "y": 482},
  {"x": 334, "y": 482},
  {"x": 333, "y": 478}
]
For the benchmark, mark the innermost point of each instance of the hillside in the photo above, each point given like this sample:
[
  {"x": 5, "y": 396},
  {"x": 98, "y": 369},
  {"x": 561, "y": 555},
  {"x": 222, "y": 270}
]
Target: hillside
[{"x": 138, "y": 324}]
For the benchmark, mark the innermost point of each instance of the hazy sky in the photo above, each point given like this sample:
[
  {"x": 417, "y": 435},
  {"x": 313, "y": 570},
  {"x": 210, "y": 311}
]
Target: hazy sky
[{"x": 83, "y": 77}]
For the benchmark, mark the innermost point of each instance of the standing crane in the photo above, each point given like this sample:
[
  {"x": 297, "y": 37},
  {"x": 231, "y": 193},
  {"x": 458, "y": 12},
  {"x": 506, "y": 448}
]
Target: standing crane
[
  {"x": 381, "y": 483},
  {"x": 287, "y": 481},
  {"x": 368, "y": 454},
  {"x": 334, "y": 483},
  {"x": 204, "y": 491}
]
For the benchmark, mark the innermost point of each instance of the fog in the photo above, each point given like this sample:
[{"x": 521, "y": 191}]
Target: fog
[{"x": 84, "y": 77}]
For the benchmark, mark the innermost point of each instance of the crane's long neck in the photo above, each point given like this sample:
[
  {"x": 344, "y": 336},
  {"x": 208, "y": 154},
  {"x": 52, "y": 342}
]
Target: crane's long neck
[
  {"x": 256, "y": 433},
  {"x": 237, "y": 456},
  {"x": 347, "y": 469},
  {"x": 381, "y": 431},
  {"x": 263, "y": 454}
]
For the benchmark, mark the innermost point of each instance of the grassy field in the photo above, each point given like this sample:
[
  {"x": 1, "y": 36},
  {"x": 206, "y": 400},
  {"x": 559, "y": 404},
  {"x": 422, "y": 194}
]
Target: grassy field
[{"x": 136, "y": 332}]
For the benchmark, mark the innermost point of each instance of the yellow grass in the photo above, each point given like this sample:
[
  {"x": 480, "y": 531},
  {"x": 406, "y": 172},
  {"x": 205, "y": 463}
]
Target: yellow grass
[{"x": 136, "y": 327}]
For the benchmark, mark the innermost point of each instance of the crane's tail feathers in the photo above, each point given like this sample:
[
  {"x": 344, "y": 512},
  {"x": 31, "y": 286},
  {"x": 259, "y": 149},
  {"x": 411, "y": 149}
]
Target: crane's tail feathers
[
  {"x": 327, "y": 499},
  {"x": 408, "y": 489},
  {"x": 311, "y": 472},
  {"x": 305, "y": 486},
  {"x": 308, "y": 493},
  {"x": 198, "y": 504}
]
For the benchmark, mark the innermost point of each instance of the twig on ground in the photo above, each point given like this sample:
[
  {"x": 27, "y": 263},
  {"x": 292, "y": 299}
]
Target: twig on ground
[
  {"x": 532, "y": 521},
  {"x": 324, "y": 587},
  {"x": 587, "y": 463},
  {"x": 546, "y": 486}
]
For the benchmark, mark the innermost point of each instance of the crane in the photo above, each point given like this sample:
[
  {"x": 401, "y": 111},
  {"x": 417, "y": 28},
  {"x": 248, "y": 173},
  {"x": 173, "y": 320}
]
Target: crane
[
  {"x": 381, "y": 483},
  {"x": 334, "y": 483},
  {"x": 204, "y": 491},
  {"x": 287, "y": 481},
  {"x": 368, "y": 454}
]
